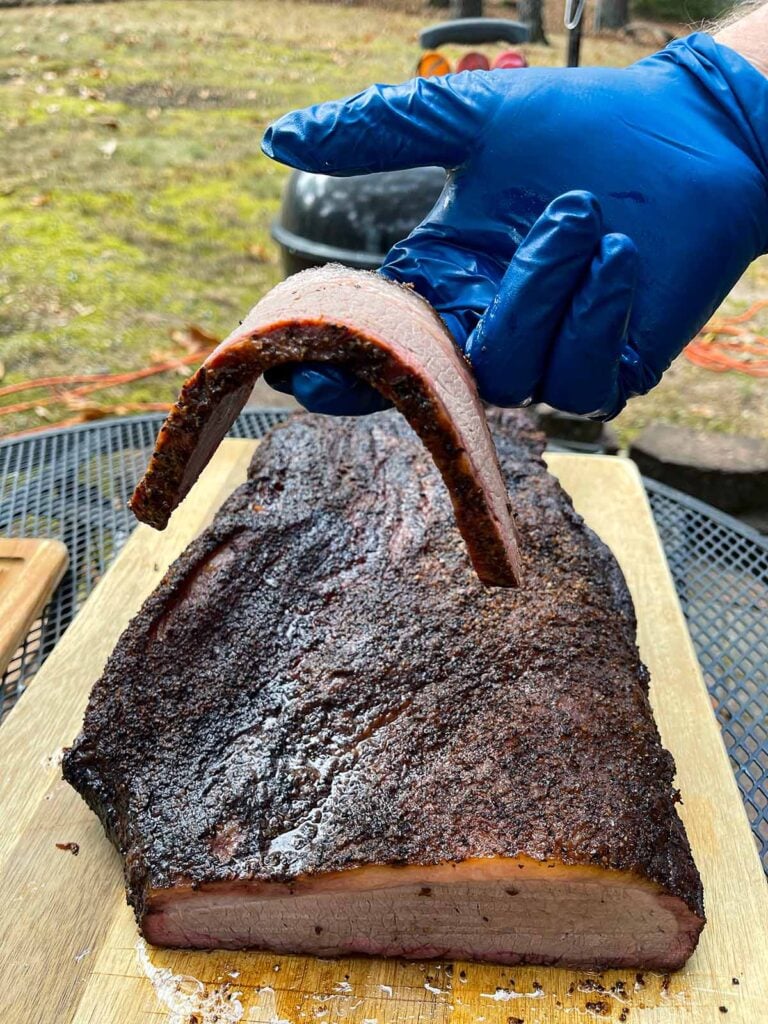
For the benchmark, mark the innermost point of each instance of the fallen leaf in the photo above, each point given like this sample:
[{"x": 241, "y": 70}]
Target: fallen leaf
[
  {"x": 258, "y": 253},
  {"x": 705, "y": 411},
  {"x": 108, "y": 122},
  {"x": 40, "y": 200},
  {"x": 43, "y": 413},
  {"x": 86, "y": 408},
  {"x": 90, "y": 411},
  {"x": 194, "y": 338},
  {"x": 96, "y": 412},
  {"x": 108, "y": 148},
  {"x": 172, "y": 360}
]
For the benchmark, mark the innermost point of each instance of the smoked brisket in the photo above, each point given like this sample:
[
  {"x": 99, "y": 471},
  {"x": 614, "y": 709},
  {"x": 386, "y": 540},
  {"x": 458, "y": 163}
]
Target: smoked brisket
[
  {"x": 388, "y": 336},
  {"x": 322, "y": 734}
]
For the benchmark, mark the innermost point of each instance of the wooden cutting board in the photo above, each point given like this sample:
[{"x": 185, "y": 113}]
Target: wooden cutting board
[
  {"x": 30, "y": 571},
  {"x": 68, "y": 943}
]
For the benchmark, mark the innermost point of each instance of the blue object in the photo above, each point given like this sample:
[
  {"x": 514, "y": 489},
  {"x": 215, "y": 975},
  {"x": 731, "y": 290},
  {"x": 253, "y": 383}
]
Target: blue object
[{"x": 592, "y": 221}]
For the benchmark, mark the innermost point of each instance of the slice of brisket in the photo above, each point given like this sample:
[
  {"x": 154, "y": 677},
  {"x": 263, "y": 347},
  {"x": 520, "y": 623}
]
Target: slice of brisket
[
  {"x": 322, "y": 734},
  {"x": 391, "y": 338}
]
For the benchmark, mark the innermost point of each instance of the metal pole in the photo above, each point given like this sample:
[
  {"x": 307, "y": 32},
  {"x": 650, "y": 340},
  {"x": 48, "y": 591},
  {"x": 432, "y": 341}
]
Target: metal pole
[
  {"x": 572, "y": 20},
  {"x": 574, "y": 45}
]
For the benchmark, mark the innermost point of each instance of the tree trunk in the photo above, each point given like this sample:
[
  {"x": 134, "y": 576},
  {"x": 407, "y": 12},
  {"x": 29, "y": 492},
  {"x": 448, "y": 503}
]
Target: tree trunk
[
  {"x": 531, "y": 13},
  {"x": 611, "y": 14},
  {"x": 466, "y": 8}
]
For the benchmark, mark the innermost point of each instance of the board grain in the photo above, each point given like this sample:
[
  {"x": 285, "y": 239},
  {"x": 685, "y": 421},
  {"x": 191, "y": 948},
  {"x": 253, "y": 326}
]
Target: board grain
[{"x": 68, "y": 943}]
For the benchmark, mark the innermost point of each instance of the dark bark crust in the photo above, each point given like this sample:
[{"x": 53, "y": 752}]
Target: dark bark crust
[{"x": 324, "y": 662}]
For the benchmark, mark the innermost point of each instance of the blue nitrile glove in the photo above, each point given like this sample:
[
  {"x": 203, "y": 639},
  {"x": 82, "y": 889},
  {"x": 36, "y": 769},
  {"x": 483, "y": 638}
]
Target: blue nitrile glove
[{"x": 593, "y": 219}]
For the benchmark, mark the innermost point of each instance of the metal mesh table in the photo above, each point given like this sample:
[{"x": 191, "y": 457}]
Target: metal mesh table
[{"x": 74, "y": 484}]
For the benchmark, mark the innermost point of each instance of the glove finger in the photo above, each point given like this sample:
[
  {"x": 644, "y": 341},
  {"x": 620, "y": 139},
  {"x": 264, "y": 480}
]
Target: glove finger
[
  {"x": 509, "y": 348},
  {"x": 322, "y": 388},
  {"x": 583, "y": 372},
  {"x": 423, "y": 122}
]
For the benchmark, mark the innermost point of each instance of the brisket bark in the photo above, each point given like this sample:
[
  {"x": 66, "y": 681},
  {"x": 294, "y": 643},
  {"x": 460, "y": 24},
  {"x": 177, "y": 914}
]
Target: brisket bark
[
  {"x": 323, "y": 734},
  {"x": 391, "y": 338}
]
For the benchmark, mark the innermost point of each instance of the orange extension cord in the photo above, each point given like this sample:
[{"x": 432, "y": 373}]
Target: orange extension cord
[
  {"x": 725, "y": 344},
  {"x": 722, "y": 344},
  {"x": 62, "y": 390}
]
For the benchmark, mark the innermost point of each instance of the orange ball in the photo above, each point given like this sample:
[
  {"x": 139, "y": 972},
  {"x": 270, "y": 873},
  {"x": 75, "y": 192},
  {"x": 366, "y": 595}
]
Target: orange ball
[{"x": 432, "y": 64}]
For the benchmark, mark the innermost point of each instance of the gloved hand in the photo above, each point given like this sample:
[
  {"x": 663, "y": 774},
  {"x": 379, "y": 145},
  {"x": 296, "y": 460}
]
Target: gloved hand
[{"x": 576, "y": 298}]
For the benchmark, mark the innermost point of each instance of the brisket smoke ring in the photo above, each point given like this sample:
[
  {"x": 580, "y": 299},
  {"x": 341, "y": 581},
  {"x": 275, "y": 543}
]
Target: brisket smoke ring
[
  {"x": 391, "y": 338},
  {"x": 351, "y": 746}
]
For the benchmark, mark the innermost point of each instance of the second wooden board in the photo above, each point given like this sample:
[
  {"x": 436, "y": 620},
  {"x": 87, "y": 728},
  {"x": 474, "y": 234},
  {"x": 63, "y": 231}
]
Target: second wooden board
[
  {"x": 69, "y": 949},
  {"x": 30, "y": 570}
]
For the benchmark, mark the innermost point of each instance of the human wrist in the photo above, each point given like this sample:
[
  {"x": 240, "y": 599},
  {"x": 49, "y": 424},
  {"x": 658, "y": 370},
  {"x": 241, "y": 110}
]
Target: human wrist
[{"x": 748, "y": 35}]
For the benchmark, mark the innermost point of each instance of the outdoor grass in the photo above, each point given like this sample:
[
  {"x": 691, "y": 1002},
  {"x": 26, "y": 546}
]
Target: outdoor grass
[{"x": 134, "y": 199}]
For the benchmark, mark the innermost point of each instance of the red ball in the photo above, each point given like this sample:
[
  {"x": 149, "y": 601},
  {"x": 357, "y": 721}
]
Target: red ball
[
  {"x": 473, "y": 61},
  {"x": 510, "y": 59}
]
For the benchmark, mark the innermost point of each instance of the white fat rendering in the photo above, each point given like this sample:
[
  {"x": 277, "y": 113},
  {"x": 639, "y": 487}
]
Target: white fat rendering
[{"x": 184, "y": 996}]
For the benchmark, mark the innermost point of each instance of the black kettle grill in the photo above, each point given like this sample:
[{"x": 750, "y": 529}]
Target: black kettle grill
[{"x": 354, "y": 221}]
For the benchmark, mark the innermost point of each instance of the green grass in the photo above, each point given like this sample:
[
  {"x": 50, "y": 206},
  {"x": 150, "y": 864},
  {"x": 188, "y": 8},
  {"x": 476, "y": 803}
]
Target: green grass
[
  {"x": 133, "y": 195},
  {"x": 132, "y": 190},
  {"x": 731, "y": 403}
]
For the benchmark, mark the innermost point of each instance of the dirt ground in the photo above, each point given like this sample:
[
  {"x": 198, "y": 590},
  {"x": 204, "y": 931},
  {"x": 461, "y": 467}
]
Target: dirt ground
[{"x": 134, "y": 200}]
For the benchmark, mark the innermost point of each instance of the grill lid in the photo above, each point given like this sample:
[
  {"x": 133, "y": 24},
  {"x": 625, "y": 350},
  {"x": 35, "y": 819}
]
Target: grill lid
[{"x": 354, "y": 220}]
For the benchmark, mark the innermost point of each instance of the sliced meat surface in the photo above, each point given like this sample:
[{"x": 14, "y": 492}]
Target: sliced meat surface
[
  {"x": 392, "y": 339},
  {"x": 349, "y": 745},
  {"x": 498, "y": 909}
]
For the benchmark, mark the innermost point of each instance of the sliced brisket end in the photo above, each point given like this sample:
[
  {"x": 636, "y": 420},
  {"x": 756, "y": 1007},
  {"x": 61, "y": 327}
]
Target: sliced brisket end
[
  {"x": 391, "y": 338},
  {"x": 349, "y": 745},
  {"x": 498, "y": 909}
]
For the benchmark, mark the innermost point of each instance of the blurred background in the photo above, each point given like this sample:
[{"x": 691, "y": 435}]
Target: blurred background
[{"x": 135, "y": 206}]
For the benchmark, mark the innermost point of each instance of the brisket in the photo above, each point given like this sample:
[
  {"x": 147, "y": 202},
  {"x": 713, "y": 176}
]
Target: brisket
[
  {"x": 391, "y": 338},
  {"x": 321, "y": 734}
]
